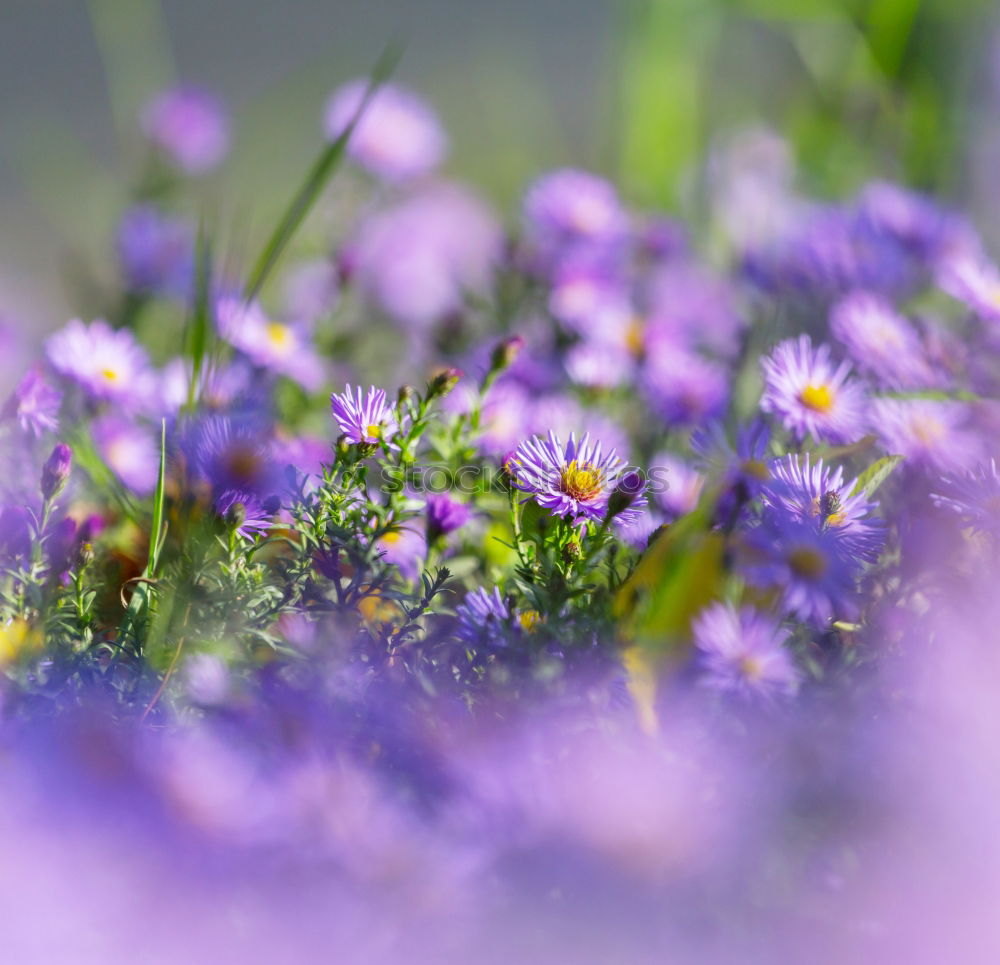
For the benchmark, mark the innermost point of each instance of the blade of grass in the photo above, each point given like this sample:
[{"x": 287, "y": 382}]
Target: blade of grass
[
  {"x": 199, "y": 326},
  {"x": 320, "y": 173},
  {"x": 157, "y": 533}
]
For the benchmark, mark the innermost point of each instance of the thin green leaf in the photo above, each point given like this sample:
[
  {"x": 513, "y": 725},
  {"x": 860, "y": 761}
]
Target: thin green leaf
[
  {"x": 320, "y": 173},
  {"x": 876, "y": 474},
  {"x": 157, "y": 533},
  {"x": 199, "y": 327}
]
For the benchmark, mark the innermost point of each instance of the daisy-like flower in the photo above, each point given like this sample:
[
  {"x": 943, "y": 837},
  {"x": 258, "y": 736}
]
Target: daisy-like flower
[
  {"x": 684, "y": 388},
  {"x": 130, "y": 451},
  {"x": 228, "y": 452},
  {"x": 405, "y": 547},
  {"x": 574, "y": 205},
  {"x": 156, "y": 252},
  {"x": 397, "y": 138},
  {"x": 445, "y": 515},
  {"x": 881, "y": 342},
  {"x": 484, "y": 616},
  {"x": 245, "y": 512},
  {"x": 677, "y": 485},
  {"x": 813, "y": 491},
  {"x": 742, "y": 652},
  {"x": 810, "y": 394},
  {"x": 285, "y": 349},
  {"x": 808, "y": 565},
  {"x": 190, "y": 126},
  {"x": 35, "y": 404},
  {"x": 574, "y": 481},
  {"x": 108, "y": 363},
  {"x": 929, "y": 434},
  {"x": 974, "y": 497},
  {"x": 364, "y": 420},
  {"x": 972, "y": 278}
]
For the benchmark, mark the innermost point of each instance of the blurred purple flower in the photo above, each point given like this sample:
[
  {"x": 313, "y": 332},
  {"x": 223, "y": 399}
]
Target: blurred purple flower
[
  {"x": 34, "y": 404},
  {"x": 312, "y": 291},
  {"x": 810, "y": 395},
  {"x": 156, "y": 252},
  {"x": 742, "y": 652},
  {"x": 190, "y": 126},
  {"x": 130, "y": 450},
  {"x": 930, "y": 435},
  {"x": 419, "y": 259},
  {"x": 684, "y": 388},
  {"x": 445, "y": 515},
  {"x": 108, "y": 363},
  {"x": 397, "y": 138}
]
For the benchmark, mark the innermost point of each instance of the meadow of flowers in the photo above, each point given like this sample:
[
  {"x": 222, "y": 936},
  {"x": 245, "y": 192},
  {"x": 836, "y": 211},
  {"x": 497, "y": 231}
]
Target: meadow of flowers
[{"x": 568, "y": 585}]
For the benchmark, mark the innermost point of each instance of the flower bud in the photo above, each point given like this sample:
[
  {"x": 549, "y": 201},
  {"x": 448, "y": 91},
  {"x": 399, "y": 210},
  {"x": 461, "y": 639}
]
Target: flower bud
[
  {"x": 236, "y": 515},
  {"x": 443, "y": 383},
  {"x": 405, "y": 393},
  {"x": 505, "y": 353},
  {"x": 56, "y": 470}
]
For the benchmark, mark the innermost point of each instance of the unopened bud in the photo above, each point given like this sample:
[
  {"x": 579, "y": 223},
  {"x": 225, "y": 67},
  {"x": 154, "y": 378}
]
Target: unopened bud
[
  {"x": 236, "y": 515},
  {"x": 505, "y": 353},
  {"x": 443, "y": 383},
  {"x": 405, "y": 393},
  {"x": 56, "y": 471},
  {"x": 572, "y": 551}
]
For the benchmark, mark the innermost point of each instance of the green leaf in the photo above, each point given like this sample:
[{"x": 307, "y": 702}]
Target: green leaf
[
  {"x": 199, "y": 326},
  {"x": 158, "y": 531},
  {"x": 320, "y": 173},
  {"x": 876, "y": 474}
]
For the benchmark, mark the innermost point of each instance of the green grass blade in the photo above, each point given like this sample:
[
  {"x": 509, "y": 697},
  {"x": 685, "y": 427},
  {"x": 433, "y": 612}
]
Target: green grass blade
[
  {"x": 199, "y": 327},
  {"x": 156, "y": 534},
  {"x": 320, "y": 173}
]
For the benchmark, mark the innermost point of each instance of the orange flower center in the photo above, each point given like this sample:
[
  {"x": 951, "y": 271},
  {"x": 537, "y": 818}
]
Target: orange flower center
[
  {"x": 582, "y": 482},
  {"x": 819, "y": 398}
]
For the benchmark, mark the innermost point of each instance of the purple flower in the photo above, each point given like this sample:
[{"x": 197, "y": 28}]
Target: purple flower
[
  {"x": 219, "y": 385},
  {"x": 813, "y": 491},
  {"x": 806, "y": 564},
  {"x": 445, "y": 515},
  {"x": 681, "y": 486},
  {"x": 398, "y": 137},
  {"x": 881, "y": 341},
  {"x": 108, "y": 363},
  {"x": 591, "y": 301},
  {"x": 740, "y": 467},
  {"x": 130, "y": 451},
  {"x": 364, "y": 420},
  {"x": 245, "y": 512},
  {"x": 928, "y": 434},
  {"x": 598, "y": 365},
  {"x": 231, "y": 452},
  {"x": 156, "y": 252},
  {"x": 742, "y": 652},
  {"x": 419, "y": 259},
  {"x": 810, "y": 395},
  {"x": 34, "y": 403},
  {"x": 574, "y": 481},
  {"x": 285, "y": 349},
  {"x": 190, "y": 126},
  {"x": 485, "y": 617},
  {"x": 568, "y": 208},
  {"x": 683, "y": 388},
  {"x": 404, "y": 547},
  {"x": 974, "y": 497},
  {"x": 312, "y": 291},
  {"x": 973, "y": 279}
]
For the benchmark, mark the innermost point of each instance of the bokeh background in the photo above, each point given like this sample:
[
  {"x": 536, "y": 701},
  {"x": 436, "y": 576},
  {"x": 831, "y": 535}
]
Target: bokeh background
[{"x": 638, "y": 89}]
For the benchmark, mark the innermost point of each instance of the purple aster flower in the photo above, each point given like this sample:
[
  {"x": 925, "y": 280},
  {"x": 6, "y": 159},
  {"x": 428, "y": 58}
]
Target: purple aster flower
[
  {"x": 108, "y": 363},
  {"x": 810, "y": 395},
  {"x": 245, "y": 512},
  {"x": 684, "y": 388},
  {"x": 742, "y": 652},
  {"x": 220, "y": 386},
  {"x": 807, "y": 564},
  {"x": 740, "y": 467},
  {"x": 365, "y": 421},
  {"x": 398, "y": 137},
  {"x": 190, "y": 126},
  {"x": 232, "y": 452},
  {"x": 420, "y": 259},
  {"x": 590, "y": 300},
  {"x": 812, "y": 491},
  {"x": 485, "y": 617},
  {"x": 34, "y": 403},
  {"x": 974, "y": 496},
  {"x": 156, "y": 252},
  {"x": 928, "y": 434},
  {"x": 445, "y": 515},
  {"x": 636, "y": 530},
  {"x": 56, "y": 470},
  {"x": 285, "y": 349},
  {"x": 404, "y": 547},
  {"x": 973, "y": 279},
  {"x": 881, "y": 341},
  {"x": 131, "y": 452},
  {"x": 575, "y": 480},
  {"x": 598, "y": 365}
]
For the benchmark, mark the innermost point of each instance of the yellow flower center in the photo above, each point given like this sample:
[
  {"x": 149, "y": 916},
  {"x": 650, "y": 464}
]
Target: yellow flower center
[
  {"x": 110, "y": 375},
  {"x": 819, "y": 398},
  {"x": 374, "y": 432},
  {"x": 392, "y": 537},
  {"x": 581, "y": 482},
  {"x": 751, "y": 668},
  {"x": 529, "y": 620},
  {"x": 928, "y": 430},
  {"x": 807, "y": 562},
  {"x": 278, "y": 335},
  {"x": 634, "y": 337}
]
